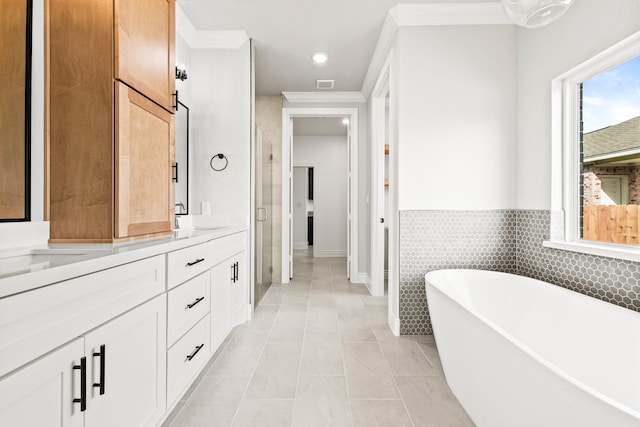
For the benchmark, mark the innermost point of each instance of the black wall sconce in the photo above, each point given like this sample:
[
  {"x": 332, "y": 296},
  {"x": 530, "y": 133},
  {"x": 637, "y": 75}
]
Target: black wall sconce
[{"x": 181, "y": 72}]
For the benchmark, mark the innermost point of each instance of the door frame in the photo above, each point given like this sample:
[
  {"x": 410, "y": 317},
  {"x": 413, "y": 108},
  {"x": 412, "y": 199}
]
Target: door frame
[
  {"x": 288, "y": 114},
  {"x": 384, "y": 85}
]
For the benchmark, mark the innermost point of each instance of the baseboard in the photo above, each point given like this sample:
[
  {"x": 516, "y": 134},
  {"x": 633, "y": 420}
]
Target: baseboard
[
  {"x": 361, "y": 278},
  {"x": 394, "y": 324},
  {"x": 329, "y": 254},
  {"x": 300, "y": 246}
]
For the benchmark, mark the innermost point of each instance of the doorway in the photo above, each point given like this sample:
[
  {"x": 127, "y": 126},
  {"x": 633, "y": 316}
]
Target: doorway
[{"x": 289, "y": 114}]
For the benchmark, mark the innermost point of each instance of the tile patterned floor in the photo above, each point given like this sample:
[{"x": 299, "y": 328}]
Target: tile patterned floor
[{"x": 319, "y": 353}]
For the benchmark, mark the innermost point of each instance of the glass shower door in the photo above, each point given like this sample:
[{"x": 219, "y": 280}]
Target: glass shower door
[{"x": 264, "y": 221}]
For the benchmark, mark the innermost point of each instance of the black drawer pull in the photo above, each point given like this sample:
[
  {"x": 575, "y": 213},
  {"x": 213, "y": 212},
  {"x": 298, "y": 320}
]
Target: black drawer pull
[
  {"x": 189, "y": 264},
  {"x": 192, "y": 355},
  {"x": 83, "y": 384},
  {"x": 195, "y": 302},
  {"x": 103, "y": 357}
]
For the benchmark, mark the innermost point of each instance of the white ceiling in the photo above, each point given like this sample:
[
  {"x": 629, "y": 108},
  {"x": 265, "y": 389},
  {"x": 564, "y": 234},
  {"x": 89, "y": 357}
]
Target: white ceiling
[{"x": 287, "y": 32}]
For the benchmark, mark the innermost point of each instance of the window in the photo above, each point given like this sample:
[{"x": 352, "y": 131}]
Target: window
[
  {"x": 610, "y": 154},
  {"x": 596, "y": 154}
]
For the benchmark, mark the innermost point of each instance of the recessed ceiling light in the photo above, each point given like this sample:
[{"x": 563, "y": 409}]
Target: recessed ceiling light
[
  {"x": 345, "y": 121},
  {"x": 319, "y": 57}
]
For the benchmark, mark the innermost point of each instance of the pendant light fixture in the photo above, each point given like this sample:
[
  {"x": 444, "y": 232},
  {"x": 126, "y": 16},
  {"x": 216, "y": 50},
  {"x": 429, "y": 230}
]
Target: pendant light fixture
[{"x": 535, "y": 13}]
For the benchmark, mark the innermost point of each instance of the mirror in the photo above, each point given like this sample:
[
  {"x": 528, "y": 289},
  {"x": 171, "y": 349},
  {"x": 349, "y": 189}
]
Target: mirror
[
  {"x": 15, "y": 109},
  {"x": 181, "y": 165}
]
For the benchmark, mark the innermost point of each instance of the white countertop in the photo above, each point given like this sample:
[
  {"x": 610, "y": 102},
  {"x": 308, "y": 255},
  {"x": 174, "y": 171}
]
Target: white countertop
[{"x": 31, "y": 267}]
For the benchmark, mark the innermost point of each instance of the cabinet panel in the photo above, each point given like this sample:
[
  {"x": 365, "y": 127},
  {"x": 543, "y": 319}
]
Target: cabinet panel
[
  {"x": 187, "y": 304},
  {"x": 41, "y": 394},
  {"x": 144, "y": 155},
  {"x": 220, "y": 317},
  {"x": 134, "y": 373},
  {"x": 34, "y": 322},
  {"x": 80, "y": 119},
  {"x": 186, "y": 263},
  {"x": 145, "y": 38},
  {"x": 238, "y": 298},
  {"x": 186, "y": 358}
]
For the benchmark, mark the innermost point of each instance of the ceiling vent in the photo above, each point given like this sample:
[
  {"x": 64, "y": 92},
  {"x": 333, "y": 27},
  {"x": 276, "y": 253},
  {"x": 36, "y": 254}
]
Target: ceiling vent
[{"x": 324, "y": 84}]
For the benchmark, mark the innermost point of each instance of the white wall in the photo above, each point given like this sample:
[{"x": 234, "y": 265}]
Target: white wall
[
  {"x": 588, "y": 27},
  {"x": 329, "y": 157},
  {"x": 456, "y": 117},
  {"x": 220, "y": 112},
  {"x": 299, "y": 199}
]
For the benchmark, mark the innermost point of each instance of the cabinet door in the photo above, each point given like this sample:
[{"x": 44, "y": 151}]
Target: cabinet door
[
  {"x": 220, "y": 287},
  {"x": 134, "y": 373},
  {"x": 144, "y": 156},
  {"x": 145, "y": 38},
  {"x": 42, "y": 393},
  {"x": 238, "y": 298}
]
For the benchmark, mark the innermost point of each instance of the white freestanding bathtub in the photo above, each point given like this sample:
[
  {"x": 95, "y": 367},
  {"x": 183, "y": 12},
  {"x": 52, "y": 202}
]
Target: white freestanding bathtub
[{"x": 519, "y": 352}]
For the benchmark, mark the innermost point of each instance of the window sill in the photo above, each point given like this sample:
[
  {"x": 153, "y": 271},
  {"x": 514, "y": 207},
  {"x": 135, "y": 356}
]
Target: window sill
[{"x": 608, "y": 250}]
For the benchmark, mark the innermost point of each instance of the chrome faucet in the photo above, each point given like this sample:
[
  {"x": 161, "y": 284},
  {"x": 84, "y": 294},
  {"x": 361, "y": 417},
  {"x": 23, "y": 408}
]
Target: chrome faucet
[{"x": 181, "y": 206}]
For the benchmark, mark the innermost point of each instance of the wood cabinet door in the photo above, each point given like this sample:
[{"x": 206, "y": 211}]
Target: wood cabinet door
[
  {"x": 145, "y": 53},
  {"x": 42, "y": 393},
  {"x": 135, "y": 367},
  {"x": 144, "y": 156},
  {"x": 220, "y": 287}
]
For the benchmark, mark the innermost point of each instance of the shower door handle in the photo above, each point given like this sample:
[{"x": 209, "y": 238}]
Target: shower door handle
[{"x": 262, "y": 214}]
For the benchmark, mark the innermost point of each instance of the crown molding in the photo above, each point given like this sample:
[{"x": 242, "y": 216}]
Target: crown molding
[
  {"x": 324, "y": 97},
  {"x": 207, "y": 39},
  {"x": 411, "y": 15}
]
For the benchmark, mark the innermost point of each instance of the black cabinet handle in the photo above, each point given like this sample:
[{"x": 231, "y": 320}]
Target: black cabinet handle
[
  {"x": 175, "y": 106},
  {"x": 175, "y": 169},
  {"x": 192, "y": 355},
  {"x": 103, "y": 357},
  {"x": 237, "y": 269},
  {"x": 233, "y": 273},
  {"x": 195, "y": 302},
  {"x": 189, "y": 264},
  {"x": 83, "y": 384}
]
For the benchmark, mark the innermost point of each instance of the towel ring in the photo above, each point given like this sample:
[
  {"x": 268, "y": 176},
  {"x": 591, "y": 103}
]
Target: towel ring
[{"x": 219, "y": 156}]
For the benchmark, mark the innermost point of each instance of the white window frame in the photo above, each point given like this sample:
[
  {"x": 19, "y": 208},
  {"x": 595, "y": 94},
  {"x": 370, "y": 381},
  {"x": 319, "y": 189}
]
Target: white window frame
[{"x": 565, "y": 166}]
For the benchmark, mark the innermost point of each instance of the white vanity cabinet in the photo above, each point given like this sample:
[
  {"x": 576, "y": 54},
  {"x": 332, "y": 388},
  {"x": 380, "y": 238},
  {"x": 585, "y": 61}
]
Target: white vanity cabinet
[
  {"x": 117, "y": 343},
  {"x": 112, "y": 376}
]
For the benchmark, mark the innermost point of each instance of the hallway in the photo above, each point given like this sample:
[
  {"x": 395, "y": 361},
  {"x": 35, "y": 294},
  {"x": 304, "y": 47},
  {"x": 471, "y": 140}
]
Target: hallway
[{"x": 319, "y": 353}]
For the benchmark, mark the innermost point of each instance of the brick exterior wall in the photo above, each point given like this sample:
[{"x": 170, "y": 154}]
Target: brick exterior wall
[{"x": 592, "y": 185}]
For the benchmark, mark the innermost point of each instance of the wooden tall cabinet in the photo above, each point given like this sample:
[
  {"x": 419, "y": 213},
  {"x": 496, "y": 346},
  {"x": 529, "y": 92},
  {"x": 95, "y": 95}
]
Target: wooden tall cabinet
[{"x": 110, "y": 124}]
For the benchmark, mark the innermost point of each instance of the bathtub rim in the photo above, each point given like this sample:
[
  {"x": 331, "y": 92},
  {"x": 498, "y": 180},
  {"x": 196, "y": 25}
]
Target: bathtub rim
[{"x": 543, "y": 361}]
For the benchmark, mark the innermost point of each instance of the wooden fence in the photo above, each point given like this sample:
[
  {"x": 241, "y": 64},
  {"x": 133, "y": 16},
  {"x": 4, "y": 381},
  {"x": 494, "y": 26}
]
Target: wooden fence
[{"x": 615, "y": 224}]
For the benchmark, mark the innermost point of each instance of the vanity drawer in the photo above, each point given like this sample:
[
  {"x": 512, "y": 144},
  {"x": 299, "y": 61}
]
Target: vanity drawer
[
  {"x": 187, "y": 304},
  {"x": 35, "y": 322},
  {"x": 185, "y": 359},
  {"x": 186, "y": 263},
  {"x": 226, "y": 247}
]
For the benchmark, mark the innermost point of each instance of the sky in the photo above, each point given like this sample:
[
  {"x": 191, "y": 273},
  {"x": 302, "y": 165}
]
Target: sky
[{"x": 612, "y": 96}]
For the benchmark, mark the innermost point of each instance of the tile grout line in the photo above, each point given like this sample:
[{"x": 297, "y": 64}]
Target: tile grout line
[
  {"x": 393, "y": 377},
  {"x": 255, "y": 368}
]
